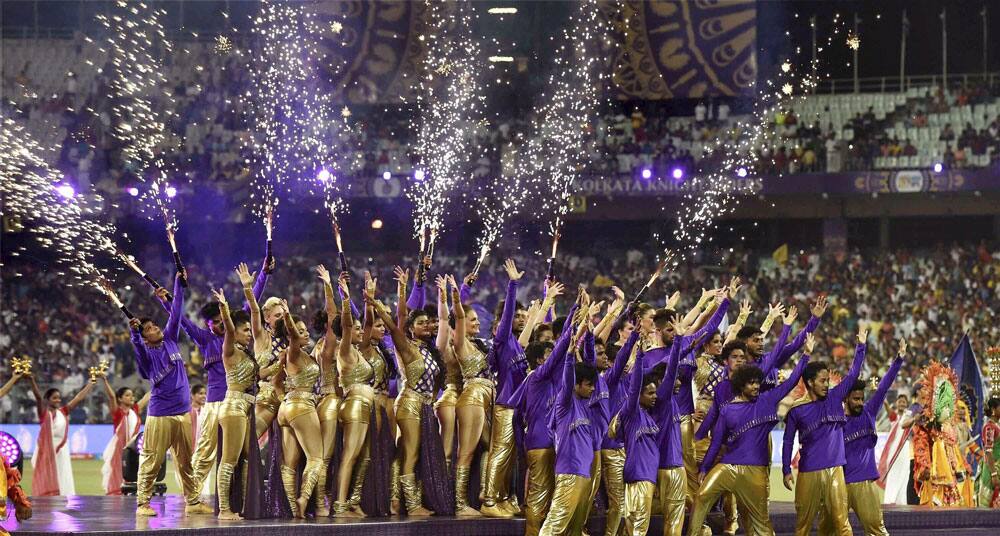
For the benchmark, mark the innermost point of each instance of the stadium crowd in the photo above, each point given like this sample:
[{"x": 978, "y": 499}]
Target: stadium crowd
[
  {"x": 931, "y": 297},
  {"x": 207, "y": 139}
]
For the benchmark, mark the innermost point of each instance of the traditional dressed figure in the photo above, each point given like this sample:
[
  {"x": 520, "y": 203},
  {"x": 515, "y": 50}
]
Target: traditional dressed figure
[{"x": 938, "y": 465}]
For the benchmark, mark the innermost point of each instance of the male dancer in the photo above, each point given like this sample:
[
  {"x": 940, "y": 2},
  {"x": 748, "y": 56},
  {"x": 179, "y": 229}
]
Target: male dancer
[
  {"x": 209, "y": 343},
  {"x": 744, "y": 426},
  {"x": 168, "y": 418},
  {"x": 534, "y": 399},
  {"x": 860, "y": 472},
  {"x": 577, "y": 436},
  {"x": 819, "y": 421},
  {"x": 507, "y": 358}
]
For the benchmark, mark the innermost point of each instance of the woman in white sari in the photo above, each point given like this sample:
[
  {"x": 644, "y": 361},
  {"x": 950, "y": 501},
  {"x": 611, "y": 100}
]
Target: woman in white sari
[{"x": 126, "y": 418}]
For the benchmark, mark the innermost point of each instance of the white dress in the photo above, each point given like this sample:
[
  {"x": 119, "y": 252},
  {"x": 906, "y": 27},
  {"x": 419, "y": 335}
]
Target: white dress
[
  {"x": 897, "y": 477},
  {"x": 64, "y": 467}
]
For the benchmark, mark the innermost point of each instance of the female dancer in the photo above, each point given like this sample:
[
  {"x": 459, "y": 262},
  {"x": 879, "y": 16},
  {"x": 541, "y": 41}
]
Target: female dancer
[
  {"x": 297, "y": 415},
  {"x": 356, "y": 375},
  {"x": 126, "y": 419},
  {"x": 234, "y": 413},
  {"x": 445, "y": 405},
  {"x": 414, "y": 412},
  {"x": 476, "y": 400},
  {"x": 330, "y": 397},
  {"x": 53, "y": 469},
  {"x": 269, "y": 392}
]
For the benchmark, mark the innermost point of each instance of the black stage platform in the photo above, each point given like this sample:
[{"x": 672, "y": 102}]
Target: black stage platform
[{"x": 116, "y": 515}]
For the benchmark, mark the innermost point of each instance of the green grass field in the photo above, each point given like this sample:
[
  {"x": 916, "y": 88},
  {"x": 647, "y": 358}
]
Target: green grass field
[
  {"x": 88, "y": 480},
  {"x": 87, "y": 474}
]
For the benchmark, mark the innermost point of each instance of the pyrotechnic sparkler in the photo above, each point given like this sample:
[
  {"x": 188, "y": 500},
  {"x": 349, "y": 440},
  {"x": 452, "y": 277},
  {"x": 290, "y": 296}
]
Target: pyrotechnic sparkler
[
  {"x": 450, "y": 99},
  {"x": 340, "y": 248},
  {"x": 69, "y": 226},
  {"x": 105, "y": 287},
  {"x": 129, "y": 261},
  {"x": 289, "y": 110}
]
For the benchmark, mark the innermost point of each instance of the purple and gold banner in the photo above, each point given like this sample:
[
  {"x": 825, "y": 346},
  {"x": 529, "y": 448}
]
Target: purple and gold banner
[{"x": 685, "y": 48}]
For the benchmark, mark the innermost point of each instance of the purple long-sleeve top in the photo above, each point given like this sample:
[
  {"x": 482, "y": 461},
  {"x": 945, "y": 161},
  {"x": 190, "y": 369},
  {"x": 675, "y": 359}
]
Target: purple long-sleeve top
[
  {"x": 772, "y": 379},
  {"x": 163, "y": 365},
  {"x": 536, "y": 395},
  {"x": 688, "y": 364},
  {"x": 507, "y": 356},
  {"x": 416, "y": 298},
  {"x": 820, "y": 425},
  {"x": 745, "y": 427},
  {"x": 210, "y": 345},
  {"x": 639, "y": 430},
  {"x": 600, "y": 401},
  {"x": 667, "y": 412},
  {"x": 576, "y": 435},
  {"x": 616, "y": 388},
  {"x": 723, "y": 391},
  {"x": 859, "y": 432}
]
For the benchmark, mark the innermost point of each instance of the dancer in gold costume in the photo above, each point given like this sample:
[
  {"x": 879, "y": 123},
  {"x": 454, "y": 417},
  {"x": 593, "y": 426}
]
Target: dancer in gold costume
[
  {"x": 234, "y": 413},
  {"x": 328, "y": 407},
  {"x": 476, "y": 400},
  {"x": 300, "y": 432}
]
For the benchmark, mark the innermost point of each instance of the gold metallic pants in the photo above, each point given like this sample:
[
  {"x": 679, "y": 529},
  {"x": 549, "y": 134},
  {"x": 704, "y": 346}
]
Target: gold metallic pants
[
  {"x": 300, "y": 434},
  {"x": 865, "y": 498},
  {"x": 750, "y": 484},
  {"x": 672, "y": 485},
  {"x": 540, "y": 486},
  {"x": 568, "y": 499},
  {"x": 613, "y": 472},
  {"x": 638, "y": 505},
  {"x": 501, "y": 457},
  {"x": 578, "y": 524},
  {"x": 688, "y": 428},
  {"x": 162, "y": 433},
  {"x": 821, "y": 491},
  {"x": 234, "y": 418},
  {"x": 208, "y": 441},
  {"x": 328, "y": 410}
]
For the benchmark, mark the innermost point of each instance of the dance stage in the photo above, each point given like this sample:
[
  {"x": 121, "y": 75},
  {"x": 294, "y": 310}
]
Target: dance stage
[{"x": 116, "y": 515}]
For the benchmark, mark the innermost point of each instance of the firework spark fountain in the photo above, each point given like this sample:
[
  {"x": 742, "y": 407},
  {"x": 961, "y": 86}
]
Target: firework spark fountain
[
  {"x": 290, "y": 113},
  {"x": 70, "y": 227},
  {"x": 450, "y": 100}
]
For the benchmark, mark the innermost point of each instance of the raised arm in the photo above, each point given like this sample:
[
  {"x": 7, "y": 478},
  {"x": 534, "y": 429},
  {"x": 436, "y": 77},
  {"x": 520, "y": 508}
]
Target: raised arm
[
  {"x": 229, "y": 338},
  {"x": 466, "y": 291},
  {"x": 346, "y": 324},
  {"x": 295, "y": 339},
  {"x": 258, "y": 285},
  {"x": 703, "y": 302},
  {"x": 589, "y": 349},
  {"x": 781, "y": 391},
  {"x": 256, "y": 319},
  {"x": 710, "y": 327},
  {"x": 621, "y": 360},
  {"x": 402, "y": 307},
  {"x": 81, "y": 395},
  {"x": 631, "y": 406},
  {"x": 460, "y": 328},
  {"x": 840, "y": 391},
  {"x": 201, "y": 336},
  {"x": 416, "y": 299},
  {"x": 141, "y": 354},
  {"x": 368, "y": 324},
  {"x": 506, "y": 325},
  {"x": 878, "y": 398},
  {"x": 546, "y": 370},
  {"x": 664, "y": 393},
  {"x": 10, "y": 384},
  {"x": 39, "y": 401},
  {"x": 768, "y": 362},
  {"x": 741, "y": 321},
  {"x": 776, "y": 309},
  {"x": 110, "y": 393},
  {"x": 444, "y": 331},
  {"x": 172, "y": 331},
  {"x": 603, "y": 329},
  {"x": 564, "y": 396}
]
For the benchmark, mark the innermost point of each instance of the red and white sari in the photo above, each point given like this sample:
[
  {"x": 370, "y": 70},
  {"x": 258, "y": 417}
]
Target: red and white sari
[
  {"x": 53, "y": 471},
  {"x": 126, "y": 423}
]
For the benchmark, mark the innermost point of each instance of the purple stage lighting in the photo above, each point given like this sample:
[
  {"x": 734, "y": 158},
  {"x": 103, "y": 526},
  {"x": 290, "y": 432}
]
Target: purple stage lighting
[
  {"x": 647, "y": 173},
  {"x": 323, "y": 175},
  {"x": 66, "y": 190},
  {"x": 10, "y": 449},
  {"x": 133, "y": 191},
  {"x": 677, "y": 173},
  {"x": 386, "y": 175},
  {"x": 938, "y": 167},
  {"x": 741, "y": 173},
  {"x": 171, "y": 192},
  {"x": 418, "y": 174}
]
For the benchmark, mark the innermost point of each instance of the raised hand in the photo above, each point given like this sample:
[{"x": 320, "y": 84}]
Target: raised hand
[
  {"x": 162, "y": 294},
  {"x": 672, "y": 301},
  {"x": 619, "y": 294},
  {"x": 451, "y": 281},
  {"x": 246, "y": 278},
  {"x": 555, "y": 289},
  {"x": 793, "y": 312},
  {"x": 324, "y": 275},
  {"x": 220, "y": 296},
  {"x": 745, "y": 309},
  {"x": 533, "y": 308},
  {"x": 402, "y": 276},
  {"x": 706, "y": 294},
  {"x": 595, "y": 308},
  {"x": 902, "y": 347},
  {"x": 810, "y": 343},
  {"x": 344, "y": 281},
  {"x": 775, "y": 310},
  {"x": 511, "y": 270},
  {"x": 734, "y": 287},
  {"x": 470, "y": 279},
  {"x": 819, "y": 308},
  {"x": 720, "y": 294},
  {"x": 862, "y": 333},
  {"x": 135, "y": 324},
  {"x": 370, "y": 286},
  {"x": 442, "y": 284}
]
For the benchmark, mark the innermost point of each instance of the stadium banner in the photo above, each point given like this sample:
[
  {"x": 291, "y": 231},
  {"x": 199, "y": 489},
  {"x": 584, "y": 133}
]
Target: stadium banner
[
  {"x": 684, "y": 48},
  {"x": 858, "y": 183},
  {"x": 84, "y": 439}
]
